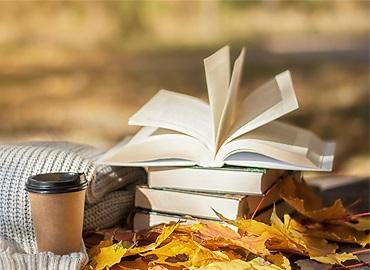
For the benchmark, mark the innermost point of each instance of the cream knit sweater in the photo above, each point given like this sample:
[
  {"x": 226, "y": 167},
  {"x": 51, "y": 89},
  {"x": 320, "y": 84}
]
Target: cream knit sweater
[{"x": 109, "y": 199}]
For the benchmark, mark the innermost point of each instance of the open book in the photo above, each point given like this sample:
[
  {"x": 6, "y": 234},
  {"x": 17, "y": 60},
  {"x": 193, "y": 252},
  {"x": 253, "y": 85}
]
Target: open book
[{"x": 180, "y": 130}]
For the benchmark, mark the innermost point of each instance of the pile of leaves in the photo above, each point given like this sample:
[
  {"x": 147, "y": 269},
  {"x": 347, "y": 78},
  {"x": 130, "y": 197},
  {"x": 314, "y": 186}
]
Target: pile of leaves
[{"x": 314, "y": 234}]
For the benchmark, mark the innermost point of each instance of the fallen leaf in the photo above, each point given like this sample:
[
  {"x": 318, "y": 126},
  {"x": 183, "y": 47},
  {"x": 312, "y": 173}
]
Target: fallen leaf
[
  {"x": 137, "y": 264},
  {"x": 210, "y": 230},
  {"x": 250, "y": 243},
  {"x": 334, "y": 259},
  {"x": 279, "y": 260},
  {"x": 359, "y": 224},
  {"x": 95, "y": 250},
  {"x": 302, "y": 198},
  {"x": 186, "y": 253},
  {"x": 255, "y": 264},
  {"x": 339, "y": 233},
  {"x": 108, "y": 256},
  {"x": 166, "y": 232}
]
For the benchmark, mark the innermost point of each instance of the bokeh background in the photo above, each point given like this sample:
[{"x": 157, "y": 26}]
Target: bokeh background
[{"x": 77, "y": 70}]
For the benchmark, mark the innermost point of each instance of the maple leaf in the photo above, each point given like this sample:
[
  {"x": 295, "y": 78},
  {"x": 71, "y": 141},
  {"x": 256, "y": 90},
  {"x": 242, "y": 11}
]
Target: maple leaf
[
  {"x": 279, "y": 260},
  {"x": 359, "y": 224},
  {"x": 108, "y": 256},
  {"x": 296, "y": 234},
  {"x": 255, "y": 264},
  {"x": 338, "y": 233},
  {"x": 302, "y": 198},
  {"x": 208, "y": 230},
  {"x": 186, "y": 252},
  {"x": 95, "y": 250},
  {"x": 337, "y": 258},
  {"x": 250, "y": 243},
  {"x": 166, "y": 232}
]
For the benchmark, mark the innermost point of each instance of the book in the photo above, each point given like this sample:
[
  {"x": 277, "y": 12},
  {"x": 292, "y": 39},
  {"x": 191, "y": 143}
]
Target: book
[
  {"x": 200, "y": 204},
  {"x": 227, "y": 179},
  {"x": 145, "y": 219},
  {"x": 181, "y": 130}
]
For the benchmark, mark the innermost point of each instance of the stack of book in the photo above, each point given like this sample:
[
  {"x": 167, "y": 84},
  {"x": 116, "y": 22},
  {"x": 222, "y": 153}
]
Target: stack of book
[
  {"x": 218, "y": 143},
  {"x": 194, "y": 193}
]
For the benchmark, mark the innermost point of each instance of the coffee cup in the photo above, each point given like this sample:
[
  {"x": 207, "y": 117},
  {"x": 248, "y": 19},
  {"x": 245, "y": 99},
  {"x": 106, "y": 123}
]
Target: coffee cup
[{"x": 57, "y": 206}]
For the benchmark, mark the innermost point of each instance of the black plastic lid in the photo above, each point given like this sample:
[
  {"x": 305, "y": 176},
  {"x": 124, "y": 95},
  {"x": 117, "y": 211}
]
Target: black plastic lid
[{"x": 52, "y": 183}]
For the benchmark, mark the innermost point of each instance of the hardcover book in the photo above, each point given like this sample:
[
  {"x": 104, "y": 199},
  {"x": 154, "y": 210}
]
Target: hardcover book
[
  {"x": 201, "y": 204},
  {"x": 242, "y": 180}
]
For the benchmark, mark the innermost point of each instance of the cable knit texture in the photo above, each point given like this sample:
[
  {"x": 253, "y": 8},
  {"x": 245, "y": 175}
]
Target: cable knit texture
[{"x": 109, "y": 198}]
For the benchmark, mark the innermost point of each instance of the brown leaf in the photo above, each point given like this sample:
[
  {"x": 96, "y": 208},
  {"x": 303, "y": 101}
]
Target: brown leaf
[{"x": 303, "y": 199}]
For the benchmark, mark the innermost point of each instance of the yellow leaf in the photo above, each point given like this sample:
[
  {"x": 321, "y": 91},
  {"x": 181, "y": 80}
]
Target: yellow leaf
[
  {"x": 298, "y": 239},
  {"x": 186, "y": 252},
  {"x": 339, "y": 233},
  {"x": 335, "y": 258},
  {"x": 255, "y": 264},
  {"x": 109, "y": 256},
  {"x": 95, "y": 250},
  {"x": 166, "y": 232},
  {"x": 360, "y": 224},
  {"x": 249, "y": 226},
  {"x": 279, "y": 260}
]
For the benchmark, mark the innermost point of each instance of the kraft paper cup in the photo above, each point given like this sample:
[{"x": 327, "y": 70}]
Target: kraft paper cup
[{"x": 57, "y": 205}]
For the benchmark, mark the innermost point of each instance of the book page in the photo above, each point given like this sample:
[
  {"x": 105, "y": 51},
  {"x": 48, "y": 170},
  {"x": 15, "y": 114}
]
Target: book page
[
  {"x": 229, "y": 111},
  {"x": 217, "y": 69},
  {"x": 262, "y": 161},
  {"x": 179, "y": 112},
  {"x": 271, "y": 150},
  {"x": 279, "y": 142},
  {"x": 157, "y": 146},
  {"x": 268, "y": 102}
]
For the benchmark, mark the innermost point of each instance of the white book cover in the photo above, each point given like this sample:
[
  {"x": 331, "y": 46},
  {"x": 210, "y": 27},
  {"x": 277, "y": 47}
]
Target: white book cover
[{"x": 181, "y": 130}]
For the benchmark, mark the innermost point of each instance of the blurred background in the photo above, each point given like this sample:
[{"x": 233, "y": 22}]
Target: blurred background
[{"x": 77, "y": 70}]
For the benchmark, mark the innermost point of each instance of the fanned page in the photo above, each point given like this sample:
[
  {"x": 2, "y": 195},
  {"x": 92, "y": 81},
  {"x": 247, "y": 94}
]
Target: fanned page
[
  {"x": 179, "y": 112},
  {"x": 156, "y": 146},
  {"x": 228, "y": 116},
  {"x": 217, "y": 70},
  {"x": 265, "y": 104},
  {"x": 279, "y": 145},
  {"x": 222, "y": 91}
]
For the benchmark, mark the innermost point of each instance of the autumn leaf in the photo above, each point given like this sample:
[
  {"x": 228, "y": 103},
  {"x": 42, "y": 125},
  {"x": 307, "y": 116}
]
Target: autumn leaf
[
  {"x": 334, "y": 259},
  {"x": 296, "y": 234},
  {"x": 108, "y": 256},
  {"x": 303, "y": 199},
  {"x": 250, "y": 243},
  {"x": 279, "y": 260},
  {"x": 212, "y": 245},
  {"x": 95, "y": 250},
  {"x": 255, "y": 264},
  {"x": 249, "y": 226},
  {"x": 210, "y": 230},
  {"x": 359, "y": 224},
  {"x": 338, "y": 233},
  {"x": 166, "y": 232},
  {"x": 185, "y": 252}
]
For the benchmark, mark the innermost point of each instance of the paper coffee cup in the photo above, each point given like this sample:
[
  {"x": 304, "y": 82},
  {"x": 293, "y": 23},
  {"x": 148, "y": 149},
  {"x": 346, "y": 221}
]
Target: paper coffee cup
[{"x": 57, "y": 205}]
